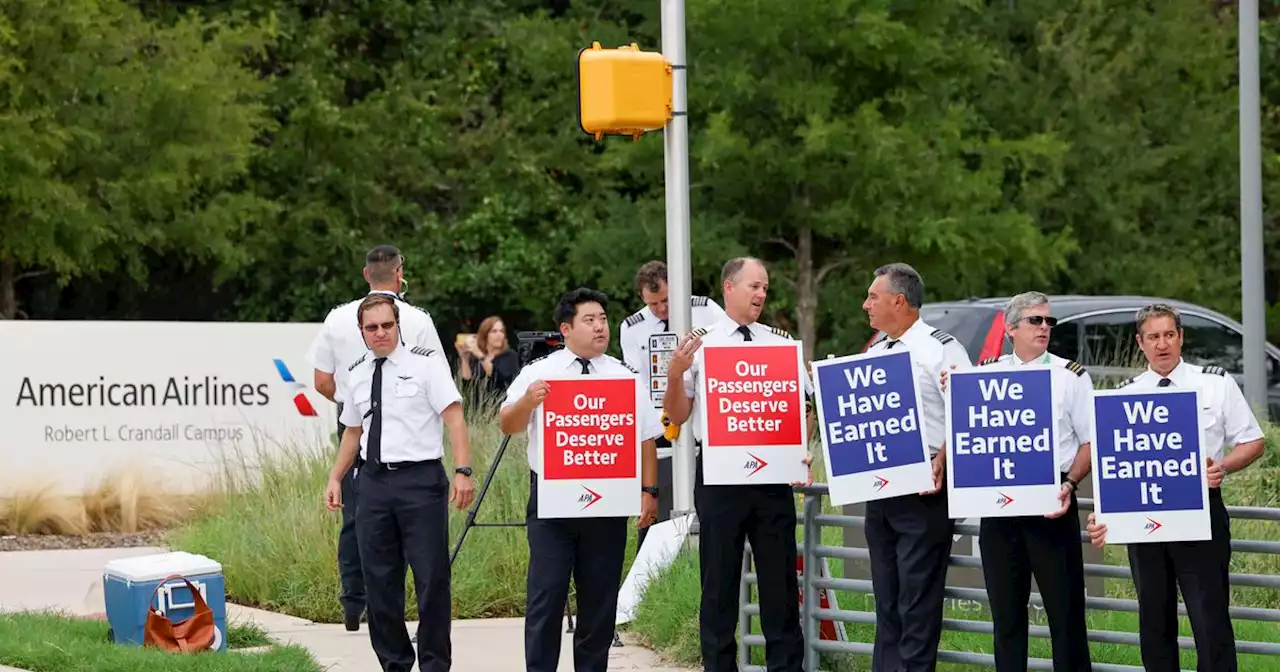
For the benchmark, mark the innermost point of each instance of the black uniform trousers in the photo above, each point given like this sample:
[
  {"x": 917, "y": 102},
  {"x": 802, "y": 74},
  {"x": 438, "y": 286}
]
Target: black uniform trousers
[
  {"x": 909, "y": 541},
  {"x": 728, "y": 515},
  {"x": 664, "y": 492},
  {"x": 591, "y": 550},
  {"x": 404, "y": 513},
  {"x": 1014, "y": 549},
  {"x": 1200, "y": 570},
  {"x": 352, "y": 577}
]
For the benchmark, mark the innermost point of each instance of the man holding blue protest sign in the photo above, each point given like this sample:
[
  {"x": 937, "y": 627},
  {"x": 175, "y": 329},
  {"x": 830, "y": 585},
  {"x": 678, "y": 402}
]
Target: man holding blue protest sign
[
  {"x": 1148, "y": 460},
  {"x": 909, "y": 537},
  {"x": 1046, "y": 546}
]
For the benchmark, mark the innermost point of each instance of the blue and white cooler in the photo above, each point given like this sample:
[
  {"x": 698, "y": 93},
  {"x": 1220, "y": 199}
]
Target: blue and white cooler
[{"x": 128, "y": 585}]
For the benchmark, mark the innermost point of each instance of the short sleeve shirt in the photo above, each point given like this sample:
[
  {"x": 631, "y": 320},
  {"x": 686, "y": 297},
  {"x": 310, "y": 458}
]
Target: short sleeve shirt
[{"x": 417, "y": 387}]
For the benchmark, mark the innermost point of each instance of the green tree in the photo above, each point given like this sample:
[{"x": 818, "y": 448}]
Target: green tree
[{"x": 118, "y": 136}]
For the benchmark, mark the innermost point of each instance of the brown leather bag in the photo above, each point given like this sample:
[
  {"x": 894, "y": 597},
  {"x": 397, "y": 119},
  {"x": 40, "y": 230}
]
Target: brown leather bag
[{"x": 196, "y": 633}]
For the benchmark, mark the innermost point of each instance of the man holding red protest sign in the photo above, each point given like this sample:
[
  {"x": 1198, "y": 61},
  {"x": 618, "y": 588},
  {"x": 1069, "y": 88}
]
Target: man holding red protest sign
[
  {"x": 589, "y": 429},
  {"x": 751, "y": 432}
]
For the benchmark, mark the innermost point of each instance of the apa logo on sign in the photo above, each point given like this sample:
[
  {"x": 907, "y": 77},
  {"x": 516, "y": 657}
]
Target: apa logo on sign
[
  {"x": 1151, "y": 526},
  {"x": 1004, "y": 500},
  {"x": 880, "y": 483},
  {"x": 754, "y": 465},
  {"x": 589, "y": 497}
]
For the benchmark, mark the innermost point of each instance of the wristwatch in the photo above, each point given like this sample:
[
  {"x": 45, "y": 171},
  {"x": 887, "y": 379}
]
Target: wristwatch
[
  {"x": 651, "y": 489},
  {"x": 1075, "y": 485},
  {"x": 465, "y": 471}
]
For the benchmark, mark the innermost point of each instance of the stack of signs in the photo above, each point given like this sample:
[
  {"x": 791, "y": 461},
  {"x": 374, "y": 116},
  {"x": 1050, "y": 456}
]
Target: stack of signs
[
  {"x": 589, "y": 428},
  {"x": 873, "y": 437},
  {"x": 751, "y": 413},
  {"x": 1001, "y": 439},
  {"x": 1149, "y": 465}
]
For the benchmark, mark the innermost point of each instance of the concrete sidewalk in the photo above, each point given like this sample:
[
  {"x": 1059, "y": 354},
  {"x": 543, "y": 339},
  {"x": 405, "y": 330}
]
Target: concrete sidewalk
[{"x": 71, "y": 581}]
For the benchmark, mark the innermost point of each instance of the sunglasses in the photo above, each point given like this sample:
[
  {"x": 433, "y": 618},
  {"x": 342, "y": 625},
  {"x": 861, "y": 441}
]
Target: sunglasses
[
  {"x": 373, "y": 327},
  {"x": 1037, "y": 320}
]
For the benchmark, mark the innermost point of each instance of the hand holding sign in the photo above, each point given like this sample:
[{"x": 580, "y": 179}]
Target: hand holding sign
[
  {"x": 682, "y": 358},
  {"x": 1215, "y": 473},
  {"x": 537, "y": 391},
  {"x": 1064, "y": 498},
  {"x": 1097, "y": 533}
]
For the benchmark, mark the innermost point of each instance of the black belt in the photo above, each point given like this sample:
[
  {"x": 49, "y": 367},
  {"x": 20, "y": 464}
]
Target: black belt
[{"x": 396, "y": 466}]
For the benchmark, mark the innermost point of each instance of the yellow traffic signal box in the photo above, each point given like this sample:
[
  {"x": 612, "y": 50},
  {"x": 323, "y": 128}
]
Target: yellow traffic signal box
[{"x": 622, "y": 91}]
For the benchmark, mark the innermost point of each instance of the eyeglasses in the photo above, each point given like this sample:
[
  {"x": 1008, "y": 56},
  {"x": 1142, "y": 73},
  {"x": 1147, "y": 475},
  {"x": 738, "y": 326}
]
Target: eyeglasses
[
  {"x": 374, "y": 327},
  {"x": 1037, "y": 320}
]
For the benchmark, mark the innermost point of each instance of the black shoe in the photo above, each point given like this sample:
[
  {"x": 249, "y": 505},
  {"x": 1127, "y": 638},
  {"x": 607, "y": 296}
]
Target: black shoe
[{"x": 353, "y": 617}]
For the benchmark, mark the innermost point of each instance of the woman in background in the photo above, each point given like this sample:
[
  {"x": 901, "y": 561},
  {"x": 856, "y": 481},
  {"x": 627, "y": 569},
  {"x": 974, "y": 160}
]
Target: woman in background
[{"x": 488, "y": 363}]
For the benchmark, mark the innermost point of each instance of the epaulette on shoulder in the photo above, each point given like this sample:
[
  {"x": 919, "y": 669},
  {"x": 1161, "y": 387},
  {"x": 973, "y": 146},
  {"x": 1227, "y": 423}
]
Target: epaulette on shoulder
[
  {"x": 357, "y": 362},
  {"x": 1126, "y": 381},
  {"x": 942, "y": 336},
  {"x": 1215, "y": 370},
  {"x": 1075, "y": 367},
  {"x": 699, "y": 332},
  {"x": 635, "y": 318},
  {"x": 539, "y": 359},
  {"x": 630, "y": 368},
  {"x": 989, "y": 360},
  {"x": 419, "y": 350},
  {"x": 781, "y": 332},
  {"x": 698, "y": 301}
]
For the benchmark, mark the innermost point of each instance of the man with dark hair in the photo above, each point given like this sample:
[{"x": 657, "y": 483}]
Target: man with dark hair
[
  {"x": 909, "y": 537},
  {"x": 398, "y": 402},
  {"x": 1199, "y": 569},
  {"x": 338, "y": 344},
  {"x": 647, "y": 326},
  {"x": 730, "y": 515},
  {"x": 591, "y": 550}
]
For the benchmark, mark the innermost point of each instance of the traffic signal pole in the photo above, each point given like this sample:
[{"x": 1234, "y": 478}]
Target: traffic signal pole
[
  {"x": 1252, "y": 294},
  {"x": 675, "y": 139}
]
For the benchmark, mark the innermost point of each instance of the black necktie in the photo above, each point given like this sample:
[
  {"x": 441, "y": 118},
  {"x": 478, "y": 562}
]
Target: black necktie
[
  {"x": 1164, "y": 382},
  {"x": 891, "y": 344},
  {"x": 375, "y": 425},
  {"x": 664, "y": 325},
  {"x": 586, "y": 368},
  {"x": 746, "y": 333}
]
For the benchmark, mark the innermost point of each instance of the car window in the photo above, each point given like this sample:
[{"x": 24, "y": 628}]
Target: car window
[
  {"x": 1065, "y": 340},
  {"x": 1209, "y": 343},
  {"x": 1109, "y": 340},
  {"x": 968, "y": 324}
]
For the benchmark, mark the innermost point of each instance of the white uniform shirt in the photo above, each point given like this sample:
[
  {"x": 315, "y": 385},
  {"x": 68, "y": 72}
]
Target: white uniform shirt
[
  {"x": 563, "y": 363},
  {"x": 932, "y": 352},
  {"x": 341, "y": 342},
  {"x": 727, "y": 331},
  {"x": 417, "y": 386},
  {"x": 634, "y": 335},
  {"x": 1072, "y": 392},
  {"x": 1224, "y": 412}
]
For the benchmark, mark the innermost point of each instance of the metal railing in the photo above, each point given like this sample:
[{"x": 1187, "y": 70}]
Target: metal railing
[{"x": 815, "y": 553}]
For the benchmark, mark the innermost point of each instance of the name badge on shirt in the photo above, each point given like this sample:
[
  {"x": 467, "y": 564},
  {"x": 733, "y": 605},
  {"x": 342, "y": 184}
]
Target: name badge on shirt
[
  {"x": 406, "y": 388},
  {"x": 662, "y": 346}
]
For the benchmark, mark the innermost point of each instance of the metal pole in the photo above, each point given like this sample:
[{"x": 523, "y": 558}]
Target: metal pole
[
  {"x": 1253, "y": 299},
  {"x": 812, "y": 537},
  {"x": 679, "y": 283}
]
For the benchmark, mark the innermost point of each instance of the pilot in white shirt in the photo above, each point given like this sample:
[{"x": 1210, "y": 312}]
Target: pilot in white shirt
[
  {"x": 337, "y": 345},
  {"x": 729, "y": 515},
  {"x": 909, "y": 537},
  {"x": 1014, "y": 549},
  {"x": 1197, "y": 569},
  {"x": 401, "y": 399}
]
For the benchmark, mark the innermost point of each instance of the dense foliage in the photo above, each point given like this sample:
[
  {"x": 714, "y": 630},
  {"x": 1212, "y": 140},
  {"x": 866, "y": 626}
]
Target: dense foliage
[{"x": 232, "y": 159}]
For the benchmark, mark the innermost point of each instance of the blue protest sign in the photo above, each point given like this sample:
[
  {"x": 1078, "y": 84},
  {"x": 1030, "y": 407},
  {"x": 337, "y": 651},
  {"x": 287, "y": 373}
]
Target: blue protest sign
[
  {"x": 1149, "y": 478},
  {"x": 872, "y": 433},
  {"x": 1001, "y": 437}
]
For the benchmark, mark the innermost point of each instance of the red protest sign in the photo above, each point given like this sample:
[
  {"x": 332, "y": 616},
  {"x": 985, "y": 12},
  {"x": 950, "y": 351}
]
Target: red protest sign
[
  {"x": 588, "y": 429},
  {"x": 753, "y": 396}
]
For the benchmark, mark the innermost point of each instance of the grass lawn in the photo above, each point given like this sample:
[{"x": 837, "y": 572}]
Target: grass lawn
[{"x": 47, "y": 642}]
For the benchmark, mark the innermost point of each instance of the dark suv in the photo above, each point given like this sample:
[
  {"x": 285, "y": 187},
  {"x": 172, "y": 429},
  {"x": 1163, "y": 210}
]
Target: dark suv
[{"x": 1098, "y": 332}]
